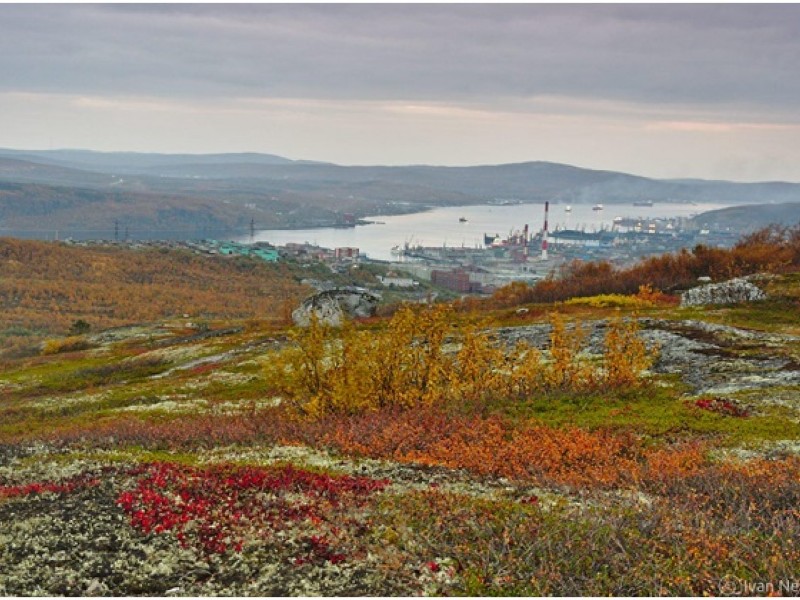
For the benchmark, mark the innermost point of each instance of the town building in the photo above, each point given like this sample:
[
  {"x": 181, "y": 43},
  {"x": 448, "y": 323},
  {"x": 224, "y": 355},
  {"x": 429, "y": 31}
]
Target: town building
[{"x": 457, "y": 280}]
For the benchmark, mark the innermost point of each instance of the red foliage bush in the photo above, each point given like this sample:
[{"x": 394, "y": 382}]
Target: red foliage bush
[
  {"x": 66, "y": 486},
  {"x": 210, "y": 509},
  {"x": 204, "y": 369},
  {"x": 722, "y": 406}
]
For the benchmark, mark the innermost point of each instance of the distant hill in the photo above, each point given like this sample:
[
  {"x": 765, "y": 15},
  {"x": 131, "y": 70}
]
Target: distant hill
[
  {"x": 227, "y": 190},
  {"x": 137, "y": 162},
  {"x": 26, "y": 171},
  {"x": 35, "y": 210},
  {"x": 751, "y": 216}
]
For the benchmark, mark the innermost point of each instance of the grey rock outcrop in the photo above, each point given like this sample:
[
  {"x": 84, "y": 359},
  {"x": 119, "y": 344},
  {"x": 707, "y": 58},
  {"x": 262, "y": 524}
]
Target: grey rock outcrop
[
  {"x": 727, "y": 292},
  {"x": 709, "y": 358},
  {"x": 332, "y": 307}
]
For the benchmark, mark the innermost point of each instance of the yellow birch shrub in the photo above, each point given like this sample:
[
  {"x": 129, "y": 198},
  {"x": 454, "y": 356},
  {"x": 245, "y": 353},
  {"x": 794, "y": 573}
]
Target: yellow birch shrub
[
  {"x": 69, "y": 344},
  {"x": 625, "y": 355},
  {"x": 648, "y": 295},
  {"x": 408, "y": 365},
  {"x": 527, "y": 373},
  {"x": 424, "y": 368},
  {"x": 609, "y": 301},
  {"x": 299, "y": 372},
  {"x": 479, "y": 368},
  {"x": 351, "y": 388},
  {"x": 346, "y": 370},
  {"x": 566, "y": 369}
]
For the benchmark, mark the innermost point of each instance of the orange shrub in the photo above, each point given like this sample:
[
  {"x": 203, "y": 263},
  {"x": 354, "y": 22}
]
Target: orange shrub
[
  {"x": 491, "y": 446},
  {"x": 675, "y": 463}
]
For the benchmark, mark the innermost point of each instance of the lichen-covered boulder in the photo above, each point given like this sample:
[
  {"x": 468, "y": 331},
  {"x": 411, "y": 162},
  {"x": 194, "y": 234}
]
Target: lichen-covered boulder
[
  {"x": 728, "y": 292},
  {"x": 333, "y": 307}
]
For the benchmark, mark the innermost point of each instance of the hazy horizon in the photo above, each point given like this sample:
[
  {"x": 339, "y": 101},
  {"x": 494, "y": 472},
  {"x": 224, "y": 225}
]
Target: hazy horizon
[
  {"x": 378, "y": 165},
  {"x": 661, "y": 91}
]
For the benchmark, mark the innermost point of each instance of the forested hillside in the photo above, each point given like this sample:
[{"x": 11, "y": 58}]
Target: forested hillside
[
  {"x": 47, "y": 287},
  {"x": 34, "y": 207}
]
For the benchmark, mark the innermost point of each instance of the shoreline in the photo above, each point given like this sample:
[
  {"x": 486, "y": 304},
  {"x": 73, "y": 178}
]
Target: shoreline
[{"x": 233, "y": 234}]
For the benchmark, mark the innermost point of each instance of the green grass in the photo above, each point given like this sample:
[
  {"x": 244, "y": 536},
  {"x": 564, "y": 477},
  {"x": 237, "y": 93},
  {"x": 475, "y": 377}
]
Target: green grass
[
  {"x": 656, "y": 412},
  {"x": 778, "y": 315}
]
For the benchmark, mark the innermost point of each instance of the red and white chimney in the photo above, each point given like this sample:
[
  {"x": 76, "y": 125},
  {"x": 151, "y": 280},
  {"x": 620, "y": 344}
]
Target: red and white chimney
[{"x": 544, "y": 231}]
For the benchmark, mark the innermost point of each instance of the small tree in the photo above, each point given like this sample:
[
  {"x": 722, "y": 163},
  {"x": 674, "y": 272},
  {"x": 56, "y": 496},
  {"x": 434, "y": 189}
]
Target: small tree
[{"x": 79, "y": 327}]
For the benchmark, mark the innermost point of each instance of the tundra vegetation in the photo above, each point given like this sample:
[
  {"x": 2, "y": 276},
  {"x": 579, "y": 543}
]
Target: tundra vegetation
[{"x": 581, "y": 447}]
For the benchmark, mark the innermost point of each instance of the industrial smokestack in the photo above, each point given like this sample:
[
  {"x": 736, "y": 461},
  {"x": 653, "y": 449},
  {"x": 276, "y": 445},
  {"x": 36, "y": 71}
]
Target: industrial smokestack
[
  {"x": 544, "y": 231},
  {"x": 525, "y": 241}
]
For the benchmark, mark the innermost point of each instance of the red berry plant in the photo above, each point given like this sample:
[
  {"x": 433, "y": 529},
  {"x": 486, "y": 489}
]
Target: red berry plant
[
  {"x": 227, "y": 508},
  {"x": 54, "y": 487},
  {"x": 722, "y": 406}
]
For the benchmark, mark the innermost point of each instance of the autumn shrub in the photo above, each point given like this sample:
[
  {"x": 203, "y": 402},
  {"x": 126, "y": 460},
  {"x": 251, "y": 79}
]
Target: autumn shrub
[
  {"x": 566, "y": 370},
  {"x": 68, "y": 344},
  {"x": 349, "y": 370},
  {"x": 14, "y": 347},
  {"x": 490, "y": 446},
  {"x": 487, "y": 446},
  {"x": 650, "y": 296},
  {"x": 645, "y": 297},
  {"x": 722, "y": 406},
  {"x": 218, "y": 509},
  {"x": 625, "y": 355},
  {"x": 673, "y": 463},
  {"x": 457, "y": 544},
  {"x": 610, "y": 301},
  {"x": 114, "y": 372},
  {"x": 419, "y": 360},
  {"x": 752, "y": 493},
  {"x": 53, "y": 487}
]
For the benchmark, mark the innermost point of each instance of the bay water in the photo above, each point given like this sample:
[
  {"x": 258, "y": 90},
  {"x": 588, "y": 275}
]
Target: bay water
[{"x": 457, "y": 226}]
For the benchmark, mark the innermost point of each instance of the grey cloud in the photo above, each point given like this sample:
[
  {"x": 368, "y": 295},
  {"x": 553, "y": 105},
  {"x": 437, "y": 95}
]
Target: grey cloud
[{"x": 702, "y": 54}]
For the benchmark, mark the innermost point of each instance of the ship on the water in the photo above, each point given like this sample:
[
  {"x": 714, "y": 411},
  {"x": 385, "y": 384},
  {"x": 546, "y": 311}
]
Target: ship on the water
[
  {"x": 597, "y": 207},
  {"x": 643, "y": 203}
]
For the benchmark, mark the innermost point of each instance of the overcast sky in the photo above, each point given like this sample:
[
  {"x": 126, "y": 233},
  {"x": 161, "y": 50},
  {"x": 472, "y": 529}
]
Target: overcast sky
[{"x": 708, "y": 91}]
